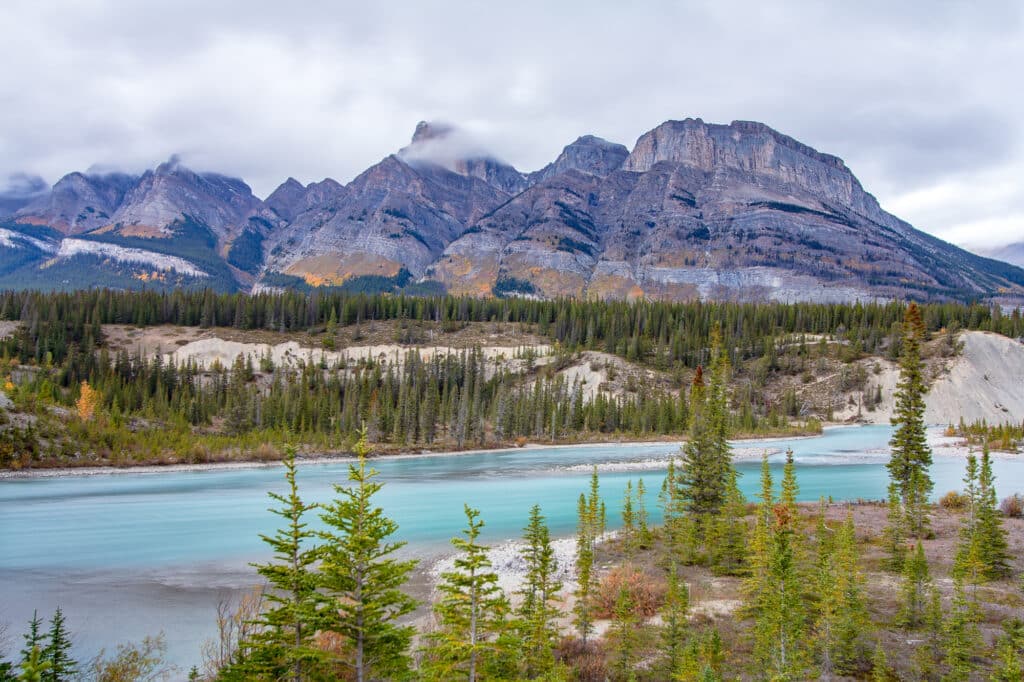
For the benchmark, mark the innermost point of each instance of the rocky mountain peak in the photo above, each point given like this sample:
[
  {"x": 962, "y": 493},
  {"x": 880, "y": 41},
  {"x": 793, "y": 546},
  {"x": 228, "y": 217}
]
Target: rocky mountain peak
[
  {"x": 78, "y": 202},
  {"x": 588, "y": 154},
  {"x": 431, "y": 130}
]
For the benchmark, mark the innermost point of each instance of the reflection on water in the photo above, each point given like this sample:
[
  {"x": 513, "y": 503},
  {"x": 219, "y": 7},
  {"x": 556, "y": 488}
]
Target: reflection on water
[{"x": 131, "y": 554}]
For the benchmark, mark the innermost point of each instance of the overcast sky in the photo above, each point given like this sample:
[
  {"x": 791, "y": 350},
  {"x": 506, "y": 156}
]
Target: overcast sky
[{"x": 922, "y": 99}]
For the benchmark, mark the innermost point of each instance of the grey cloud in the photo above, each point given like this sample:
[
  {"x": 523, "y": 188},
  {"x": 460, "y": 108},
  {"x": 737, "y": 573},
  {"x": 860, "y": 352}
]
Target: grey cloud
[{"x": 910, "y": 94}]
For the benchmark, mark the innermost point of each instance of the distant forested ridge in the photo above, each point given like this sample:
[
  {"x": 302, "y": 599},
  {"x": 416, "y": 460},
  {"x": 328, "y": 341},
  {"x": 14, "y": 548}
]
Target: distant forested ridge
[{"x": 149, "y": 409}]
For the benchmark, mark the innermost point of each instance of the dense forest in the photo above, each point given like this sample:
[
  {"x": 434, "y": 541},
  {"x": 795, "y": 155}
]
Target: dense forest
[{"x": 135, "y": 408}]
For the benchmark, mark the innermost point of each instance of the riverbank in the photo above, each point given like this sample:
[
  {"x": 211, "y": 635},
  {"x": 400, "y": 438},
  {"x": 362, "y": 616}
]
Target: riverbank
[{"x": 744, "y": 450}]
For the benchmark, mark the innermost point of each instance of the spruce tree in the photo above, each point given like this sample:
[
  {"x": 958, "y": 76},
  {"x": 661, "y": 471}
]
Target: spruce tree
[
  {"x": 1009, "y": 653},
  {"x": 780, "y": 617},
  {"x": 583, "y": 609},
  {"x": 33, "y": 639},
  {"x": 623, "y": 635},
  {"x": 629, "y": 531},
  {"x": 841, "y": 613},
  {"x": 362, "y": 581},
  {"x": 472, "y": 614},
  {"x": 283, "y": 646},
  {"x": 537, "y": 613},
  {"x": 895, "y": 534},
  {"x": 643, "y": 531},
  {"x": 880, "y": 670},
  {"x": 675, "y": 621},
  {"x": 727, "y": 539},
  {"x": 962, "y": 639},
  {"x": 911, "y": 457},
  {"x": 990, "y": 533},
  {"x": 915, "y": 589},
  {"x": 58, "y": 651},
  {"x": 34, "y": 666},
  {"x": 703, "y": 474},
  {"x": 755, "y": 587}
]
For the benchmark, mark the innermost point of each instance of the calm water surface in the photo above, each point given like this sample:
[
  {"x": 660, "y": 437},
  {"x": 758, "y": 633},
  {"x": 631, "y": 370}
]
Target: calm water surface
[{"x": 127, "y": 555}]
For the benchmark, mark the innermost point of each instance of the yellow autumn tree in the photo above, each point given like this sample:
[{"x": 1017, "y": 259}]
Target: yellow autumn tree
[{"x": 88, "y": 401}]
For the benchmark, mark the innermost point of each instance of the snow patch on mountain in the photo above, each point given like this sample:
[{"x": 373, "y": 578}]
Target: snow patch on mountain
[
  {"x": 16, "y": 240},
  {"x": 76, "y": 247}
]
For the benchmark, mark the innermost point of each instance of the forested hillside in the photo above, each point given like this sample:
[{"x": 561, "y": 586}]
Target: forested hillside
[{"x": 609, "y": 369}]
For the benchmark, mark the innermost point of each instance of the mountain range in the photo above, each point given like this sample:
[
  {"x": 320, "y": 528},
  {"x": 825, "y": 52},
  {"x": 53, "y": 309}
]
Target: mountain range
[{"x": 737, "y": 211}]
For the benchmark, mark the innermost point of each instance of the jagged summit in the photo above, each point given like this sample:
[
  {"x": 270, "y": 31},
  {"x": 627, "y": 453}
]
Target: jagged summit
[{"x": 694, "y": 209}]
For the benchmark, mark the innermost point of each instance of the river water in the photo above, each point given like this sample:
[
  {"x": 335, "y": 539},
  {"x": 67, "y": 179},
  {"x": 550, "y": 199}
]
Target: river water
[{"x": 131, "y": 554}]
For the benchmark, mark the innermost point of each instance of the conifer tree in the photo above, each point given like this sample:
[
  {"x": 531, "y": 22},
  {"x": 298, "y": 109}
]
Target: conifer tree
[
  {"x": 362, "y": 581},
  {"x": 841, "y": 614},
  {"x": 58, "y": 651},
  {"x": 962, "y": 639},
  {"x": 583, "y": 616},
  {"x": 727, "y": 540},
  {"x": 928, "y": 654},
  {"x": 34, "y": 666},
  {"x": 1009, "y": 653},
  {"x": 990, "y": 533},
  {"x": 643, "y": 531},
  {"x": 703, "y": 474},
  {"x": 702, "y": 659},
  {"x": 283, "y": 645},
  {"x": 629, "y": 532},
  {"x": 756, "y": 585},
  {"x": 780, "y": 618},
  {"x": 472, "y": 614},
  {"x": 537, "y": 612},
  {"x": 915, "y": 589},
  {"x": 880, "y": 670},
  {"x": 675, "y": 620},
  {"x": 623, "y": 633},
  {"x": 33, "y": 638},
  {"x": 895, "y": 535},
  {"x": 911, "y": 457}
]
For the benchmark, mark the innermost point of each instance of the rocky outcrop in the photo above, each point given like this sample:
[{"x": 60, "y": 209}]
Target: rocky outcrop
[{"x": 588, "y": 154}]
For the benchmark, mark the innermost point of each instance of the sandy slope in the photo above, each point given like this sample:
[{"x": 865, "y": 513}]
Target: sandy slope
[{"x": 985, "y": 382}]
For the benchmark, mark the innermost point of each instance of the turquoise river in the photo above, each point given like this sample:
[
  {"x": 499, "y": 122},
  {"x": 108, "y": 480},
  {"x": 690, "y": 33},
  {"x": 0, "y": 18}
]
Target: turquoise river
[{"x": 131, "y": 554}]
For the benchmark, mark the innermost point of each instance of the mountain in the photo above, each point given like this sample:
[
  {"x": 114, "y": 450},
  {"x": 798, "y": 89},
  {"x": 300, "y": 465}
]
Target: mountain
[
  {"x": 168, "y": 227},
  {"x": 737, "y": 211},
  {"x": 1010, "y": 253},
  {"x": 22, "y": 189}
]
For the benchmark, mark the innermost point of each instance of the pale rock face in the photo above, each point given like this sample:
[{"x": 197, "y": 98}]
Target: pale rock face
[{"x": 173, "y": 192}]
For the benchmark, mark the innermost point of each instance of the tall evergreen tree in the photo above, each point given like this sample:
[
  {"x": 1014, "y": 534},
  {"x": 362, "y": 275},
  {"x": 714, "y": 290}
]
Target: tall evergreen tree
[
  {"x": 583, "y": 609},
  {"x": 33, "y": 638},
  {"x": 471, "y": 641},
  {"x": 780, "y": 619},
  {"x": 841, "y": 618},
  {"x": 990, "y": 533},
  {"x": 537, "y": 612},
  {"x": 362, "y": 581},
  {"x": 911, "y": 456},
  {"x": 58, "y": 651},
  {"x": 706, "y": 462},
  {"x": 283, "y": 646}
]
